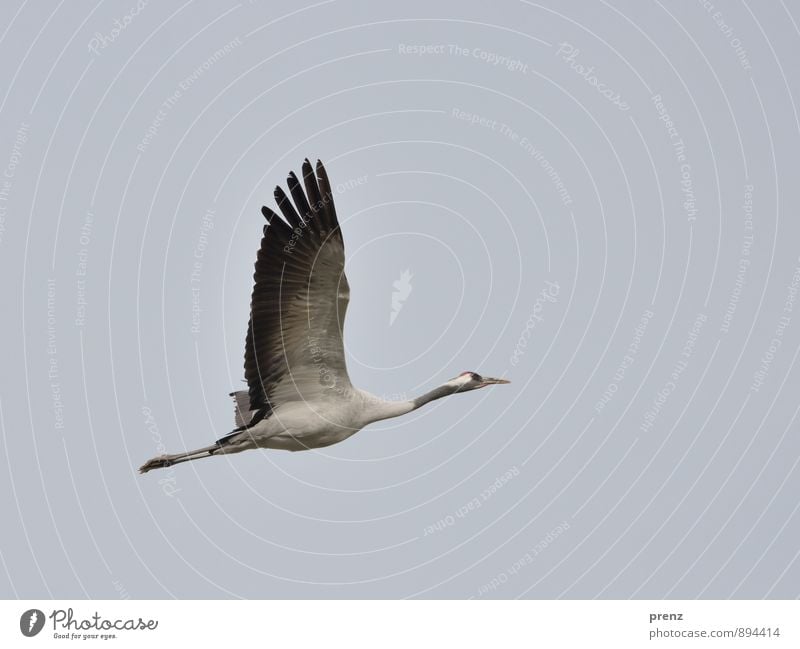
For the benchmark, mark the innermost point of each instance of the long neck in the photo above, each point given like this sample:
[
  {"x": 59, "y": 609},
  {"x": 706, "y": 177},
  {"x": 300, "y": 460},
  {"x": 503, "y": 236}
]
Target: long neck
[
  {"x": 381, "y": 409},
  {"x": 436, "y": 393}
]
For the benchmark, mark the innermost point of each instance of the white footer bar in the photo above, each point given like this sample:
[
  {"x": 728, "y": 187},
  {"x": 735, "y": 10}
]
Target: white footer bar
[{"x": 388, "y": 624}]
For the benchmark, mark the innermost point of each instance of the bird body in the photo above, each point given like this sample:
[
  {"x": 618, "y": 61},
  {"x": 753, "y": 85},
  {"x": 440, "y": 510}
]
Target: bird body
[
  {"x": 302, "y": 425},
  {"x": 299, "y": 395}
]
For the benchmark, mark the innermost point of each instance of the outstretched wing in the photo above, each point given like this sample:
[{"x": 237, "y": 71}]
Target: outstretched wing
[{"x": 294, "y": 348}]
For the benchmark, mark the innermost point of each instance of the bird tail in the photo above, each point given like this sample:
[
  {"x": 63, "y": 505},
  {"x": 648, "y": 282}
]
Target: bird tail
[{"x": 163, "y": 461}]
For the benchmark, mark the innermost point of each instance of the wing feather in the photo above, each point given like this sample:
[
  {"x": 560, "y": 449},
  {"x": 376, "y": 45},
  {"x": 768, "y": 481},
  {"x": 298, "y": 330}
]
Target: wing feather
[{"x": 294, "y": 349}]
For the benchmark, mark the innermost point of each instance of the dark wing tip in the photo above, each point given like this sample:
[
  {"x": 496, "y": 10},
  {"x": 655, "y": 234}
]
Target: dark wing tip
[{"x": 268, "y": 213}]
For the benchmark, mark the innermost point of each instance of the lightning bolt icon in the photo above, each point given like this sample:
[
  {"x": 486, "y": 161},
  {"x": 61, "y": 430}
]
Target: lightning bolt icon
[{"x": 32, "y": 621}]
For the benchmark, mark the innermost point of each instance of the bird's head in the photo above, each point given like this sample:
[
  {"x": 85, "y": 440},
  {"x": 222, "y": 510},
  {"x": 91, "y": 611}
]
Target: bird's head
[{"x": 472, "y": 381}]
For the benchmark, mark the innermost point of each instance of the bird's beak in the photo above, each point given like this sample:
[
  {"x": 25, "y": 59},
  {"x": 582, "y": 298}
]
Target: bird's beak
[{"x": 490, "y": 381}]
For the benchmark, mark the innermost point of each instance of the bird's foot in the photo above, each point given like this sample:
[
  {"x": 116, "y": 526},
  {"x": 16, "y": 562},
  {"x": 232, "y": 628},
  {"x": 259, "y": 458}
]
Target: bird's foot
[{"x": 160, "y": 462}]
